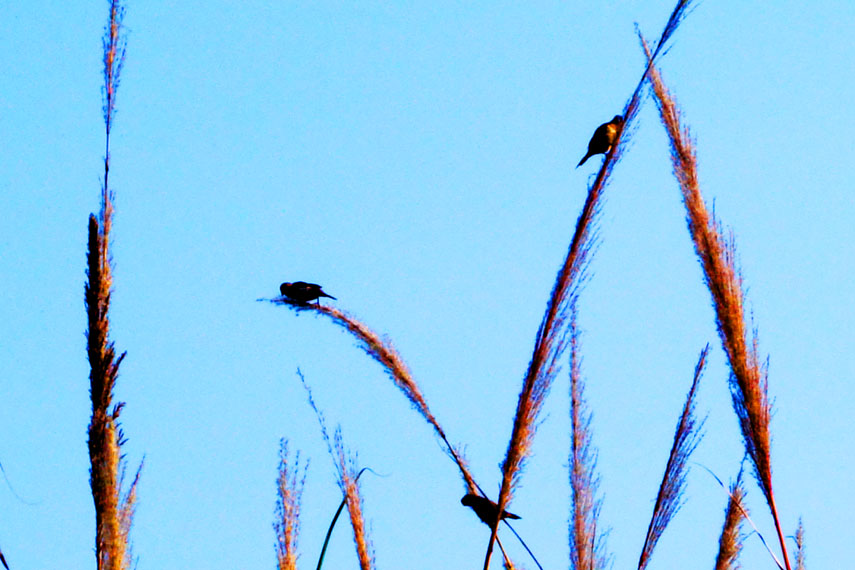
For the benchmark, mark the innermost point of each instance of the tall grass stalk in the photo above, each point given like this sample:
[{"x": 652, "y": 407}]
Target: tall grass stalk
[
  {"x": 551, "y": 339},
  {"x": 586, "y": 542},
  {"x": 383, "y": 352},
  {"x": 731, "y": 539},
  {"x": 717, "y": 254},
  {"x": 289, "y": 490},
  {"x": 113, "y": 510},
  {"x": 687, "y": 435}
]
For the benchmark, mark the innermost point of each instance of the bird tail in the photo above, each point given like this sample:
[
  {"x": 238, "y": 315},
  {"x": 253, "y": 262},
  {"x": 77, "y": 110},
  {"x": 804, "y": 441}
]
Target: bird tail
[
  {"x": 330, "y": 296},
  {"x": 581, "y": 162}
]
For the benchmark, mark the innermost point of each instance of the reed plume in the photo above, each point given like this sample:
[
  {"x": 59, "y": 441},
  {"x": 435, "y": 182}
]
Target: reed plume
[
  {"x": 551, "y": 339},
  {"x": 348, "y": 481},
  {"x": 731, "y": 539},
  {"x": 113, "y": 510},
  {"x": 383, "y": 352},
  {"x": 716, "y": 252},
  {"x": 586, "y": 543},
  {"x": 800, "y": 546},
  {"x": 289, "y": 488},
  {"x": 669, "y": 498}
]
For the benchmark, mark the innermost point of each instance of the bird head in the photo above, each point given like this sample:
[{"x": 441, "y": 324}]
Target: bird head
[
  {"x": 468, "y": 499},
  {"x": 618, "y": 120},
  {"x": 284, "y": 287}
]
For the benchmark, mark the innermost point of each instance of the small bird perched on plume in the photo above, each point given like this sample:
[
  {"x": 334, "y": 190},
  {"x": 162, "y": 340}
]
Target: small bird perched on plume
[
  {"x": 302, "y": 292},
  {"x": 485, "y": 509},
  {"x": 603, "y": 139}
]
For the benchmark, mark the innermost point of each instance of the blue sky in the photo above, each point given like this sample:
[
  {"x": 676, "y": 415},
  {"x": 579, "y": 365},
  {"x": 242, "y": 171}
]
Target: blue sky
[{"x": 417, "y": 159}]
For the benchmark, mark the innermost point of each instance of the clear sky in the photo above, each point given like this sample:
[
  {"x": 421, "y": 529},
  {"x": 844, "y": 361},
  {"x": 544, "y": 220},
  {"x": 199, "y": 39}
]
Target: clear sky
[{"x": 416, "y": 159}]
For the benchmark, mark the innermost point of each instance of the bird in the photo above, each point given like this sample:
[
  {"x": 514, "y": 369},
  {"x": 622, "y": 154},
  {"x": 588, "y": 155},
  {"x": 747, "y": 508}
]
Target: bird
[
  {"x": 485, "y": 509},
  {"x": 302, "y": 292},
  {"x": 603, "y": 139}
]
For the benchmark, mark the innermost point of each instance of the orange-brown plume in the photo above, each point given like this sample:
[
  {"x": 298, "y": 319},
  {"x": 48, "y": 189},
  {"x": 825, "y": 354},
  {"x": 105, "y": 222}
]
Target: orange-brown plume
[
  {"x": 113, "y": 509},
  {"x": 717, "y": 255},
  {"x": 349, "y": 483},
  {"x": 289, "y": 489},
  {"x": 732, "y": 537}
]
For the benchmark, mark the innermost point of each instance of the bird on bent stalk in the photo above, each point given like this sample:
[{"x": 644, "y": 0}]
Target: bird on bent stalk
[
  {"x": 485, "y": 509},
  {"x": 603, "y": 139},
  {"x": 302, "y": 292}
]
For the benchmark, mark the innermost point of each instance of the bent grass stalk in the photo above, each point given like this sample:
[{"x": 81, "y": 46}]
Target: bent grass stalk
[
  {"x": 550, "y": 341},
  {"x": 669, "y": 498},
  {"x": 383, "y": 352},
  {"x": 717, "y": 254}
]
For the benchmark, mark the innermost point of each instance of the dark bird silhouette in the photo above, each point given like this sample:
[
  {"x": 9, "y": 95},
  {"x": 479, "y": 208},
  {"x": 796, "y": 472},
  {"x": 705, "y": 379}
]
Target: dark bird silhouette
[
  {"x": 485, "y": 509},
  {"x": 302, "y": 292},
  {"x": 603, "y": 139}
]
